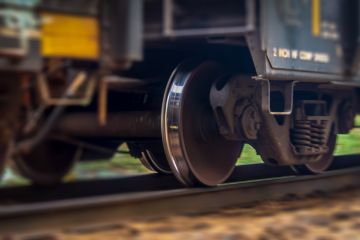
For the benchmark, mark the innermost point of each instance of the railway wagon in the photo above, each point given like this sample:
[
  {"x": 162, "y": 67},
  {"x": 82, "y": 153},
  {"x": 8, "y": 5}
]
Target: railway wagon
[{"x": 185, "y": 83}]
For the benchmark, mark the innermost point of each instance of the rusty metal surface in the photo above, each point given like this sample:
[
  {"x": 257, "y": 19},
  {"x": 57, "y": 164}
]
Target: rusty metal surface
[
  {"x": 123, "y": 124},
  {"x": 57, "y": 215},
  {"x": 274, "y": 135}
]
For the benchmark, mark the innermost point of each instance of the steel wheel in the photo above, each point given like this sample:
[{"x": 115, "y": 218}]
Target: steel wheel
[
  {"x": 322, "y": 164},
  {"x": 46, "y": 164},
  {"x": 196, "y": 152},
  {"x": 155, "y": 161}
]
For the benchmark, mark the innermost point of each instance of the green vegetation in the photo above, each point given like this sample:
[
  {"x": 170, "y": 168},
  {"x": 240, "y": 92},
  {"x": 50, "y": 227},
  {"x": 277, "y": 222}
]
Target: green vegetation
[
  {"x": 349, "y": 143},
  {"x": 123, "y": 164},
  {"x": 248, "y": 156}
]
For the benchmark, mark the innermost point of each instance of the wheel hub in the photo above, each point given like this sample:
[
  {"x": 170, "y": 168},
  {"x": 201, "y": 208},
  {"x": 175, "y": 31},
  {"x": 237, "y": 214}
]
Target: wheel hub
[{"x": 250, "y": 123}]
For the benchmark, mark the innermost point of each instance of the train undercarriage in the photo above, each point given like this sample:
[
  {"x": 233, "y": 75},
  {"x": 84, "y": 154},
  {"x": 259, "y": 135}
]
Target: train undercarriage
[
  {"x": 205, "y": 117},
  {"x": 187, "y": 108}
]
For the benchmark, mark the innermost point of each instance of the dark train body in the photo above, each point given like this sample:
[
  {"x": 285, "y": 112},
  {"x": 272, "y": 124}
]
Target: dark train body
[{"x": 184, "y": 83}]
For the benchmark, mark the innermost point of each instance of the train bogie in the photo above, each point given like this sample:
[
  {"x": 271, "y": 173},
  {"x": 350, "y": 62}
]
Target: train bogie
[{"x": 185, "y": 86}]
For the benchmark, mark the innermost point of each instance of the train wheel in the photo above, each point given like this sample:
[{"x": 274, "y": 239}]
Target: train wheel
[
  {"x": 46, "y": 164},
  {"x": 155, "y": 161},
  {"x": 322, "y": 164},
  {"x": 195, "y": 150}
]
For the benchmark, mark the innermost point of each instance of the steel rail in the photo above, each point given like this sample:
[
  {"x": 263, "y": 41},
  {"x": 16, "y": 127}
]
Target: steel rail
[{"x": 81, "y": 207}]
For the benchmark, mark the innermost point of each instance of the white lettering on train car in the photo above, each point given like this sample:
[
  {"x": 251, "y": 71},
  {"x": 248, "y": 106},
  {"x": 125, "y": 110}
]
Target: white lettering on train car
[
  {"x": 321, "y": 57},
  {"x": 284, "y": 53},
  {"x": 294, "y": 54},
  {"x": 305, "y": 55}
]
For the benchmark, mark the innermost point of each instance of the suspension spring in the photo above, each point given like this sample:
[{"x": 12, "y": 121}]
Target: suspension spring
[{"x": 309, "y": 136}]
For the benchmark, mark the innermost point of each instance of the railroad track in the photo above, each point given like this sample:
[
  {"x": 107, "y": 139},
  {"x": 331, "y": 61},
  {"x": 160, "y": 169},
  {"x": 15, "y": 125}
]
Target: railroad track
[{"x": 81, "y": 205}]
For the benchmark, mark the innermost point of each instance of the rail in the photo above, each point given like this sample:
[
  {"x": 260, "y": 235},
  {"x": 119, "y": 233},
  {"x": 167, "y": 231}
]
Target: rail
[{"x": 33, "y": 209}]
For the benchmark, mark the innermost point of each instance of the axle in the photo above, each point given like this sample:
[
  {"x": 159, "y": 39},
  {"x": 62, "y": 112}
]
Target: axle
[{"x": 124, "y": 124}]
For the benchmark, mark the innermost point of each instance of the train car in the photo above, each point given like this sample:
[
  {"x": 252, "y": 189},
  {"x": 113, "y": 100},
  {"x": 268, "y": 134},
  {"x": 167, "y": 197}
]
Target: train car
[{"x": 185, "y": 83}]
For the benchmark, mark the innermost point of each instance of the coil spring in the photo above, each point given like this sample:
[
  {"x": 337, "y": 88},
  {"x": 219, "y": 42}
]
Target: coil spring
[{"x": 308, "y": 134}]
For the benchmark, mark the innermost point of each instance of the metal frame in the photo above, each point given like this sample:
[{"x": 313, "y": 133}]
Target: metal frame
[
  {"x": 48, "y": 100},
  {"x": 288, "y": 96},
  {"x": 169, "y": 31}
]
